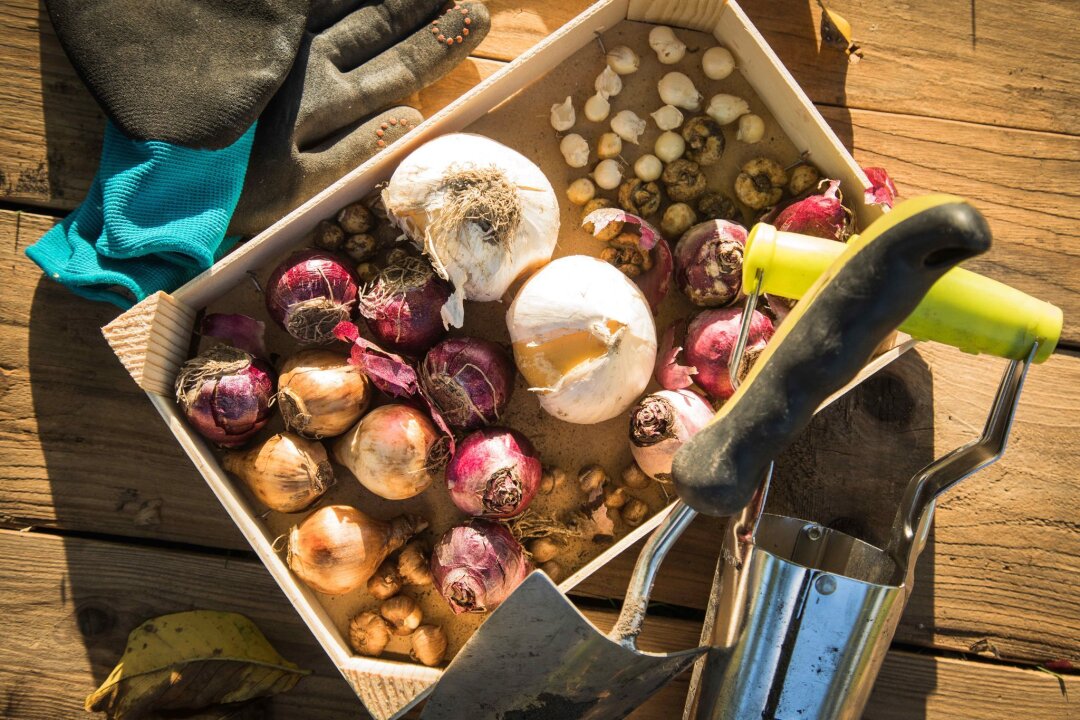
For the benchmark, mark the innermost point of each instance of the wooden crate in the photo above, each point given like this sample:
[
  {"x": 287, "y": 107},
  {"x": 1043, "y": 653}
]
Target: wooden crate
[{"x": 153, "y": 339}]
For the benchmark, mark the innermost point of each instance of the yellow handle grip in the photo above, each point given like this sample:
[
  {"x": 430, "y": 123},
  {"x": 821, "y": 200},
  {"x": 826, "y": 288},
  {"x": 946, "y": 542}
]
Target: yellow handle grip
[{"x": 963, "y": 309}]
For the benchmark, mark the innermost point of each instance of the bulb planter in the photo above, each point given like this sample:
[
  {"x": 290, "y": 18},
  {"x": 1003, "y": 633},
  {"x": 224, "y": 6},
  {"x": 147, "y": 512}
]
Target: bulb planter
[{"x": 153, "y": 339}]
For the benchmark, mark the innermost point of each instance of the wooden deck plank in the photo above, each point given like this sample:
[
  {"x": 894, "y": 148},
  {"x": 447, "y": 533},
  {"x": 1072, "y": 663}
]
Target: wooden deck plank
[
  {"x": 69, "y": 604},
  {"x": 86, "y": 452},
  {"x": 946, "y": 60}
]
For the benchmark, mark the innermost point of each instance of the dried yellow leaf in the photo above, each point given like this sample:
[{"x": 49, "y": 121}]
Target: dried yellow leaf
[{"x": 191, "y": 660}]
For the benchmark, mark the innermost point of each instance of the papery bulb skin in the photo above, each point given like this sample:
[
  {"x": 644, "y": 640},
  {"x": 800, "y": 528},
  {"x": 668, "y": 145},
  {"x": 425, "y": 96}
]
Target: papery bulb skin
[
  {"x": 477, "y": 565},
  {"x": 821, "y": 215},
  {"x": 309, "y": 293},
  {"x": 469, "y": 380},
  {"x": 225, "y": 394},
  {"x": 287, "y": 472},
  {"x": 321, "y": 394},
  {"x": 494, "y": 473},
  {"x": 403, "y": 306},
  {"x": 710, "y": 340}
]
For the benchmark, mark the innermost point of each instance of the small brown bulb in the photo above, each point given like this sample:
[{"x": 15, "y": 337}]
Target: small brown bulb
[
  {"x": 385, "y": 583},
  {"x": 354, "y": 219},
  {"x": 552, "y": 479},
  {"x": 403, "y": 614},
  {"x": 635, "y": 477},
  {"x": 634, "y": 511},
  {"x": 369, "y": 634},
  {"x": 329, "y": 235},
  {"x": 610, "y": 230},
  {"x": 360, "y": 247},
  {"x": 543, "y": 549},
  {"x": 616, "y": 498},
  {"x": 592, "y": 477},
  {"x": 429, "y": 645},
  {"x": 414, "y": 566}
]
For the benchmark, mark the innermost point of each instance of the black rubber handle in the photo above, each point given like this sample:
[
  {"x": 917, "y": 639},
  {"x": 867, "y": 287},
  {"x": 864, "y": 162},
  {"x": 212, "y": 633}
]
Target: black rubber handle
[{"x": 823, "y": 344}]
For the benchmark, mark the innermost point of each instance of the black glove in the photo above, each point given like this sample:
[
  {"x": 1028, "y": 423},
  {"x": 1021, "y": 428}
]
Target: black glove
[
  {"x": 195, "y": 73},
  {"x": 335, "y": 109}
]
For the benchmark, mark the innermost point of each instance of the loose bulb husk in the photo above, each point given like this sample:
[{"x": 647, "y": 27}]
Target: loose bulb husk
[
  {"x": 321, "y": 394},
  {"x": 286, "y": 472},
  {"x": 584, "y": 339},
  {"x": 429, "y": 645},
  {"x": 337, "y": 548}
]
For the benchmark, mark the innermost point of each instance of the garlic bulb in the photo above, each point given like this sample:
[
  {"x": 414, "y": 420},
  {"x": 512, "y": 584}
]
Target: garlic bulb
[
  {"x": 608, "y": 83},
  {"x": 670, "y": 146},
  {"x": 597, "y": 108},
  {"x": 648, "y": 167},
  {"x": 321, "y": 394},
  {"x": 751, "y": 129},
  {"x": 668, "y": 117},
  {"x": 608, "y": 146},
  {"x": 717, "y": 62},
  {"x": 608, "y": 174},
  {"x": 623, "y": 60},
  {"x": 669, "y": 49},
  {"x": 337, "y": 548},
  {"x": 726, "y": 109},
  {"x": 562, "y": 115},
  {"x": 581, "y": 191},
  {"x": 583, "y": 338},
  {"x": 678, "y": 90},
  {"x": 484, "y": 214},
  {"x": 575, "y": 150},
  {"x": 286, "y": 473},
  {"x": 628, "y": 125}
]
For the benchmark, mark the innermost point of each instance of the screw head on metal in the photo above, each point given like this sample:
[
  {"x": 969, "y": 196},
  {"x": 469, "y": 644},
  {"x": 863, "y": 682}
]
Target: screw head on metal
[
  {"x": 813, "y": 532},
  {"x": 825, "y": 584}
]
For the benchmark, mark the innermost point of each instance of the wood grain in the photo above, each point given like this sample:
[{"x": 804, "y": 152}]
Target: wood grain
[
  {"x": 941, "y": 60},
  {"x": 68, "y": 604},
  {"x": 86, "y": 452}
]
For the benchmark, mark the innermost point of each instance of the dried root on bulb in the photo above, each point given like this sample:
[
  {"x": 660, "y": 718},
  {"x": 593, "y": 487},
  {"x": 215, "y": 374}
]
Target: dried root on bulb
[{"x": 369, "y": 634}]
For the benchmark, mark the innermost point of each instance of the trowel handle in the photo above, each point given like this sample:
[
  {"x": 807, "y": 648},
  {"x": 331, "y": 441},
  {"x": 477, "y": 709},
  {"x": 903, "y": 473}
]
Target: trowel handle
[
  {"x": 826, "y": 340},
  {"x": 963, "y": 309}
]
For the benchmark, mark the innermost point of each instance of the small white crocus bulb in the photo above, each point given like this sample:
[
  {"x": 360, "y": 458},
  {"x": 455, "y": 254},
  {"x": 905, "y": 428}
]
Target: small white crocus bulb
[
  {"x": 623, "y": 60},
  {"x": 648, "y": 167},
  {"x": 608, "y": 82},
  {"x": 751, "y": 129},
  {"x": 607, "y": 174},
  {"x": 562, "y": 115},
  {"x": 670, "y": 146},
  {"x": 581, "y": 191},
  {"x": 668, "y": 48},
  {"x": 677, "y": 89},
  {"x": 668, "y": 117},
  {"x": 575, "y": 150},
  {"x": 597, "y": 108},
  {"x": 726, "y": 109},
  {"x": 717, "y": 62},
  {"x": 608, "y": 146}
]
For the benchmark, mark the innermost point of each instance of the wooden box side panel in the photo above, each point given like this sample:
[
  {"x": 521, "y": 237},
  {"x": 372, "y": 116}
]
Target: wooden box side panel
[
  {"x": 151, "y": 340},
  {"x": 702, "y": 15}
]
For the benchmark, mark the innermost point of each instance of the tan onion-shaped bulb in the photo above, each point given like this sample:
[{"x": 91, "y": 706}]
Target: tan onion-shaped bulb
[
  {"x": 394, "y": 451},
  {"x": 321, "y": 394},
  {"x": 337, "y": 548},
  {"x": 286, "y": 472}
]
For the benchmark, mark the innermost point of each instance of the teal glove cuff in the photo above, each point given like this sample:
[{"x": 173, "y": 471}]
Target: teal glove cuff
[{"x": 154, "y": 218}]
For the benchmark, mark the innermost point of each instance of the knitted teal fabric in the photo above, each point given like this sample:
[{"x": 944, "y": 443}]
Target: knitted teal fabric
[{"x": 154, "y": 218}]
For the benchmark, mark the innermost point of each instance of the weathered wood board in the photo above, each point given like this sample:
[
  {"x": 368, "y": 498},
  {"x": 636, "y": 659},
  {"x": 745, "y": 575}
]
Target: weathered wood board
[
  {"x": 139, "y": 484},
  {"x": 68, "y": 604}
]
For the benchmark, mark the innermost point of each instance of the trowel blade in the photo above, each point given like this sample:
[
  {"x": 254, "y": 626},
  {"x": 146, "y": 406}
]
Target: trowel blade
[{"x": 537, "y": 657}]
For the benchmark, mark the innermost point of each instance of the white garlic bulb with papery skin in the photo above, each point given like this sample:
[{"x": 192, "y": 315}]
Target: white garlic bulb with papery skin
[
  {"x": 483, "y": 213},
  {"x": 584, "y": 339},
  {"x": 608, "y": 82},
  {"x": 623, "y": 60}
]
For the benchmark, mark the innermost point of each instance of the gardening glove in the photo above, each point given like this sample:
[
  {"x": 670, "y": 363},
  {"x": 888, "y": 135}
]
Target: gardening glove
[
  {"x": 182, "y": 83},
  {"x": 335, "y": 110}
]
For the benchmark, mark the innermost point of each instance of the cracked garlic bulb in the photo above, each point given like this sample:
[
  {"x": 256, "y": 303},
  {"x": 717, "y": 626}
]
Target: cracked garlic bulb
[
  {"x": 583, "y": 338},
  {"x": 483, "y": 213}
]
